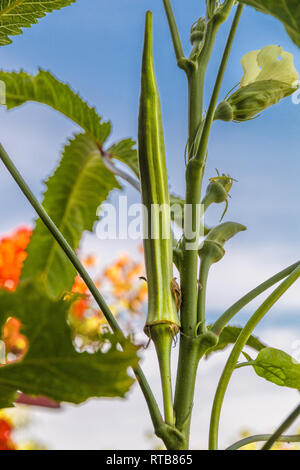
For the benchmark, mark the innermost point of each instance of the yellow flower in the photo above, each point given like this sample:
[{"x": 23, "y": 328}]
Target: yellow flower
[
  {"x": 269, "y": 76},
  {"x": 269, "y": 63}
]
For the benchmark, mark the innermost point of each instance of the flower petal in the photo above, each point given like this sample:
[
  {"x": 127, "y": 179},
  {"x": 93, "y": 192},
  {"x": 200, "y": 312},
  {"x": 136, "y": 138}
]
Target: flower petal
[
  {"x": 250, "y": 67},
  {"x": 277, "y": 65}
]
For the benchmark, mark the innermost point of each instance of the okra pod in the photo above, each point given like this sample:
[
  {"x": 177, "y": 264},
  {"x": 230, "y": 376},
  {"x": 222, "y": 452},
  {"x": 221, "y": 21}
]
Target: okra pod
[
  {"x": 155, "y": 196},
  {"x": 162, "y": 322}
]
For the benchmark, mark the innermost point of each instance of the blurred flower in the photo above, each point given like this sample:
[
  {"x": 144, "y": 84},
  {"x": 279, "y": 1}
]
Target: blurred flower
[
  {"x": 12, "y": 257},
  {"x": 6, "y": 442},
  {"x": 16, "y": 344},
  {"x": 11, "y": 420}
]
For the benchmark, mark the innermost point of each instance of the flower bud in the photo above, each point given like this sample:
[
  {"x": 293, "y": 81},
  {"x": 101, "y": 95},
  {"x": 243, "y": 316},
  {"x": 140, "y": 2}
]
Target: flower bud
[
  {"x": 218, "y": 191},
  {"x": 224, "y": 112},
  {"x": 269, "y": 76},
  {"x": 197, "y": 31},
  {"x": 213, "y": 246},
  {"x": 249, "y": 101}
]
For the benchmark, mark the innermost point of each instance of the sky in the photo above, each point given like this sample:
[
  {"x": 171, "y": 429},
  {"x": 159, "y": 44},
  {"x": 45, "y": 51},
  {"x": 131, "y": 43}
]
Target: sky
[{"x": 95, "y": 46}]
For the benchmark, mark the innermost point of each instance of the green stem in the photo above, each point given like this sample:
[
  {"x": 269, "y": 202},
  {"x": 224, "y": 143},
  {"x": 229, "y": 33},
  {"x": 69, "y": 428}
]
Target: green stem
[
  {"x": 237, "y": 349},
  {"x": 245, "y": 364},
  {"x": 220, "y": 324},
  {"x": 189, "y": 344},
  {"x": 186, "y": 377},
  {"x": 174, "y": 31},
  {"x": 216, "y": 91},
  {"x": 261, "y": 438},
  {"x": 151, "y": 402},
  {"x": 282, "y": 428},
  {"x": 196, "y": 77},
  {"x": 163, "y": 339},
  {"x": 203, "y": 276}
]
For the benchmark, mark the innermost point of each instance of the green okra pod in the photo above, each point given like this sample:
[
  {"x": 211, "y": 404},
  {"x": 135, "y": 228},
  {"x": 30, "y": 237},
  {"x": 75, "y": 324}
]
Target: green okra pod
[
  {"x": 162, "y": 322},
  {"x": 155, "y": 196}
]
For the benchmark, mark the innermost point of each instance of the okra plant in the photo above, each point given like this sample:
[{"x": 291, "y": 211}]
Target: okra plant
[{"x": 88, "y": 171}]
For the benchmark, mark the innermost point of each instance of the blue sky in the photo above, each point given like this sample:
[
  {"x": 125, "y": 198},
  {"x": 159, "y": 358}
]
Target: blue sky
[{"x": 95, "y": 45}]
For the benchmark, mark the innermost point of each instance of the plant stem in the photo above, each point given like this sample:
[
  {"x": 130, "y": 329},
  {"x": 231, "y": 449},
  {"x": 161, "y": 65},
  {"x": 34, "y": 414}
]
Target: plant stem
[
  {"x": 186, "y": 377},
  {"x": 163, "y": 339},
  {"x": 220, "y": 324},
  {"x": 189, "y": 343},
  {"x": 151, "y": 402},
  {"x": 282, "y": 428},
  {"x": 121, "y": 173},
  {"x": 245, "y": 364},
  {"x": 203, "y": 276},
  {"x": 237, "y": 349},
  {"x": 174, "y": 31},
  {"x": 261, "y": 438},
  {"x": 216, "y": 91}
]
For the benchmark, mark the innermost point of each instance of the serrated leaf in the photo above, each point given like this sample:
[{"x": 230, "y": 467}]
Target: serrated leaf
[
  {"x": 287, "y": 11},
  {"x": 52, "y": 367},
  {"x": 125, "y": 152},
  {"x": 229, "y": 336},
  {"x": 278, "y": 367},
  {"x": 45, "y": 88},
  {"x": 17, "y": 14},
  {"x": 75, "y": 191}
]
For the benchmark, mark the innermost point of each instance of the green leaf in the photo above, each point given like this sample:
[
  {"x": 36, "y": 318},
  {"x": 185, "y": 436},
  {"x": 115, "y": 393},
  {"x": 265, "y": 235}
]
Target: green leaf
[
  {"x": 5, "y": 297},
  {"x": 17, "y": 14},
  {"x": 124, "y": 152},
  {"x": 75, "y": 191},
  {"x": 278, "y": 367},
  {"x": 52, "y": 367},
  {"x": 45, "y": 88},
  {"x": 229, "y": 336},
  {"x": 287, "y": 11}
]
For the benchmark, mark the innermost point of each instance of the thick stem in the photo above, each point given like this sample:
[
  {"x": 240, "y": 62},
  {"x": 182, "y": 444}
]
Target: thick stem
[
  {"x": 151, "y": 402},
  {"x": 237, "y": 349},
  {"x": 261, "y": 438},
  {"x": 282, "y": 428},
  {"x": 162, "y": 337},
  {"x": 189, "y": 346},
  {"x": 186, "y": 377}
]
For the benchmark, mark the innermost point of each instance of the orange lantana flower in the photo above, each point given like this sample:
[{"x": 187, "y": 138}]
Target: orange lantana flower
[{"x": 12, "y": 257}]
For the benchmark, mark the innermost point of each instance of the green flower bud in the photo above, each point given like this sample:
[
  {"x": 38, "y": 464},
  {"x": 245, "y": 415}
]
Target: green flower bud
[
  {"x": 213, "y": 250},
  {"x": 213, "y": 246},
  {"x": 269, "y": 76},
  {"x": 224, "y": 112},
  {"x": 249, "y": 101},
  {"x": 197, "y": 31},
  {"x": 218, "y": 191}
]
